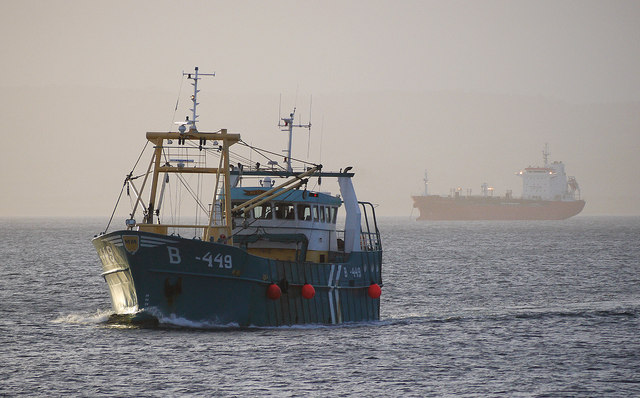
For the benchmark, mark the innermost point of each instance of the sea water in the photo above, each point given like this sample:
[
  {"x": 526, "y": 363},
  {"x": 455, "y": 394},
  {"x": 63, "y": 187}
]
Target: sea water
[{"x": 549, "y": 308}]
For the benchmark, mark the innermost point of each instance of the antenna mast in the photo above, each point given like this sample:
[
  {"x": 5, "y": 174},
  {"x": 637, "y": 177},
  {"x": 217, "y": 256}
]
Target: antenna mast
[
  {"x": 426, "y": 183},
  {"x": 194, "y": 98},
  {"x": 545, "y": 154},
  {"x": 288, "y": 123}
]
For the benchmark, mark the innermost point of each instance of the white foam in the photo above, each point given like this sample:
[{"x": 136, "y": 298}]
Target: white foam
[
  {"x": 173, "y": 320},
  {"x": 100, "y": 316}
]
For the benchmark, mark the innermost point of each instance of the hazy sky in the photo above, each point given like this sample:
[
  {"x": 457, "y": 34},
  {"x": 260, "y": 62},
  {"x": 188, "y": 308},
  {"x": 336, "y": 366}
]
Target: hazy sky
[{"x": 470, "y": 90}]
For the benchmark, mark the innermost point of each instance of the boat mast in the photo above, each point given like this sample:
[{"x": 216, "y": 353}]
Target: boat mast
[
  {"x": 288, "y": 123},
  {"x": 159, "y": 142},
  {"x": 182, "y": 135},
  {"x": 545, "y": 154},
  {"x": 426, "y": 183},
  {"x": 194, "y": 97}
]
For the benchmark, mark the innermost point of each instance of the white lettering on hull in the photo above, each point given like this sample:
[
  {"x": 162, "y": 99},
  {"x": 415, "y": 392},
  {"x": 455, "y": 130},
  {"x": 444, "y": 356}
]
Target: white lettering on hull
[{"x": 174, "y": 255}]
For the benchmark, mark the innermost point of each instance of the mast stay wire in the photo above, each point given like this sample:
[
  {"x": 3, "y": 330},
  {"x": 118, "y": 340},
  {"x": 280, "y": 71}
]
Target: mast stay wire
[
  {"x": 236, "y": 156},
  {"x": 309, "y": 138},
  {"x": 321, "y": 134},
  {"x": 126, "y": 180},
  {"x": 173, "y": 118},
  {"x": 115, "y": 207},
  {"x": 260, "y": 150},
  {"x": 190, "y": 190}
]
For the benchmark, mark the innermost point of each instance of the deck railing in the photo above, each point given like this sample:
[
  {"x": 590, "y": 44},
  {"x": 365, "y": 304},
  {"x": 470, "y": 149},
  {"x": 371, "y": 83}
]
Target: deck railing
[{"x": 370, "y": 234}]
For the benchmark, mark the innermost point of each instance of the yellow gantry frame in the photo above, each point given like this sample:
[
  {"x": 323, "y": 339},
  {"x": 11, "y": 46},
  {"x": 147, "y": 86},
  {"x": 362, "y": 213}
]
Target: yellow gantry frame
[
  {"x": 158, "y": 139},
  {"x": 210, "y": 230}
]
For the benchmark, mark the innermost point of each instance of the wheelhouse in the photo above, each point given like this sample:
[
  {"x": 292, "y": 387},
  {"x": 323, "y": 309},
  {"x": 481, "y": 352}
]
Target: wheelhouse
[{"x": 293, "y": 225}]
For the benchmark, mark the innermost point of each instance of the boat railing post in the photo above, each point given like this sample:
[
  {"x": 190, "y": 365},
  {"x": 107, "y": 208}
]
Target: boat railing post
[{"x": 227, "y": 186}]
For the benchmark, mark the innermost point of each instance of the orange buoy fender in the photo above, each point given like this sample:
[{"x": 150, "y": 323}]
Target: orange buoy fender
[
  {"x": 274, "y": 292},
  {"x": 308, "y": 291},
  {"x": 374, "y": 291}
]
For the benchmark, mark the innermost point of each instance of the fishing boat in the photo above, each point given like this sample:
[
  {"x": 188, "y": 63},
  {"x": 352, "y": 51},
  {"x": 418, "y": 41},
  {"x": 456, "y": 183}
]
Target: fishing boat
[
  {"x": 547, "y": 194},
  {"x": 262, "y": 247}
]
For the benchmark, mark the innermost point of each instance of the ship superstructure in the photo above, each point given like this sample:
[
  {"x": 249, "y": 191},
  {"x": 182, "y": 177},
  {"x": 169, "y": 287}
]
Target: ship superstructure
[{"x": 549, "y": 182}]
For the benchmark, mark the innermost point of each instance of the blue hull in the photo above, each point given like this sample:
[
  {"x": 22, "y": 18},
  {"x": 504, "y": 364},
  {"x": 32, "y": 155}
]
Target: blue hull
[{"x": 221, "y": 284}]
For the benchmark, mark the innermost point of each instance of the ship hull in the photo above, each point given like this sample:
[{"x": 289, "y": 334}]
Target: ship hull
[
  {"x": 169, "y": 276},
  {"x": 433, "y": 207}
]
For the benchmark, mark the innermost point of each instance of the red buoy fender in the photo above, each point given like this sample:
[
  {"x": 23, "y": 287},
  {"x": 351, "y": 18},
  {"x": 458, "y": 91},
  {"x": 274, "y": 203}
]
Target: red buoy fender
[
  {"x": 274, "y": 292},
  {"x": 308, "y": 291},
  {"x": 374, "y": 291}
]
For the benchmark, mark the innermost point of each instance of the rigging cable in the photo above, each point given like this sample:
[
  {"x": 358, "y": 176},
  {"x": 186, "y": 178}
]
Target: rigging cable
[
  {"x": 257, "y": 150},
  {"x": 186, "y": 185},
  {"x": 140, "y": 156},
  {"x": 115, "y": 207},
  {"x": 173, "y": 118},
  {"x": 309, "y": 138},
  {"x": 122, "y": 189},
  {"x": 321, "y": 133}
]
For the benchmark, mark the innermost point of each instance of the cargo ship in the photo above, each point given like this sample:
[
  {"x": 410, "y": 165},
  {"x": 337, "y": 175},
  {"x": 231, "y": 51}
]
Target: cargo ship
[
  {"x": 224, "y": 240},
  {"x": 547, "y": 194}
]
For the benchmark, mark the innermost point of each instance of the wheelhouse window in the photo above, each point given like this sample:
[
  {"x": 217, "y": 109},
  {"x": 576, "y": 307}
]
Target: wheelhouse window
[
  {"x": 262, "y": 212},
  {"x": 304, "y": 212},
  {"x": 285, "y": 211},
  {"x": 321, "y": 213},
  {"x": 327, "y": 214},
  {"x": 314, "y": 211},
  {"x": 234, "y": 204},
  {"x": 334, "y": 214}
]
